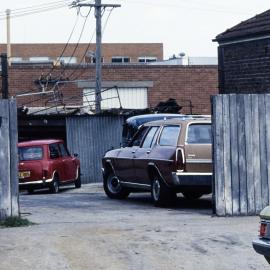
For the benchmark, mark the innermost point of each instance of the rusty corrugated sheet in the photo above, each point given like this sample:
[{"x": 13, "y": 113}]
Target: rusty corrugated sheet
[{"x": 90, "y": 137}]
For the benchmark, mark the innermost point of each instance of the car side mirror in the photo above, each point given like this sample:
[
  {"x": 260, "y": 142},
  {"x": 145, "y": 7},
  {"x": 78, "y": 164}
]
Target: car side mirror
[{"x": 75, "y": 155}]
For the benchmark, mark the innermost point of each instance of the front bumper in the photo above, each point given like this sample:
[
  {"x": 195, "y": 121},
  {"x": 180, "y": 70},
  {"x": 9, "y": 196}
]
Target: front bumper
[
  {"x": 192, "y": 179},
  {"x": 262, "y": 246}
]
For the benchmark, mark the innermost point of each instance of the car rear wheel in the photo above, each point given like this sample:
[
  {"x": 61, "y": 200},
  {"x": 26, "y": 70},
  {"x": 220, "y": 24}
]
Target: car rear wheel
[
  {"x": 192, "y": 195},
  {"x": 54, "y": 188},
  {"x": 78, "y": 182},
  {"x": 113, "y": 187},
  {"x": 161, "y": 194},
  {"x": 30, "y": 190}
]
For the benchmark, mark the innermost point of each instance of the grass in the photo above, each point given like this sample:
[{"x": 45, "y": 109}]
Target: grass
[{"x": 15, "y": 222}]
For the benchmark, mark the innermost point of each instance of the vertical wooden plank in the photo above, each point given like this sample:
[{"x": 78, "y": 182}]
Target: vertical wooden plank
[
  {"x": 13, "y": 134},
  {"x": 256, "y": 154},
  {"x": 218, "y": 155},
  {"x": 234, "y": 155},
  {"x": 227, "y": 155},
  {"x": 267, "y": 135},
  {"x": 263, "y": 154},
  {"x": 5, "y": 199},
  {"x": 242, "y": 155},
  {"x": 249, "y": 154}
]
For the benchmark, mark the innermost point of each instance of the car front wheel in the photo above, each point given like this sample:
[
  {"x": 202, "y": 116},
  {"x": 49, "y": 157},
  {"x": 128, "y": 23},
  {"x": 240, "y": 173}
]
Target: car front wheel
[
  {"x": 113, "y": 187},
  {"x": 161, "y": 194}
]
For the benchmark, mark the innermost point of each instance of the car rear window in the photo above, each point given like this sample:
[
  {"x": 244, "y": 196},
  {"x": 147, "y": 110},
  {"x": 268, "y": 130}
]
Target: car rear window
[
  {"x": 30, "y": 153},
  {"x": 169, "y": 136},
  {"x": 199, "y": 134}
]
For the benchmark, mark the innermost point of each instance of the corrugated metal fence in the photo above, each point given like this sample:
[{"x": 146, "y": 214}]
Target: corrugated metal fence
[
  {"x": 9, "y": 195},
  {"x": 241, "y": 131},
  {"x": 91, "y": 137}
]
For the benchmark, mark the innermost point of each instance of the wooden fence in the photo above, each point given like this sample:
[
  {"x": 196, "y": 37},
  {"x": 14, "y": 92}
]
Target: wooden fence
[
  {"x": 241, "y": 131},
  {"x": 9, "y": 205}
]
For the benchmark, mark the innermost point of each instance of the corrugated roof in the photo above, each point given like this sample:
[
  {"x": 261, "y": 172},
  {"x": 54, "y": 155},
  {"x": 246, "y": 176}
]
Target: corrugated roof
[{"x": 258, "y": 25}]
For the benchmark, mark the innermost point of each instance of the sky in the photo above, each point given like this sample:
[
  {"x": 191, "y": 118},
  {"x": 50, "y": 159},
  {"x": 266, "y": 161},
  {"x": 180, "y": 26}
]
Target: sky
[{"x": 181, "y": 25}]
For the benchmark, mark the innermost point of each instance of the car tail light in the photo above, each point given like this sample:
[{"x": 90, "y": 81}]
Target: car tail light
[
  {"x": 263, "y": 228},
  {"x": 44, "y": 174},
  {"x": 180, "y": 160}
]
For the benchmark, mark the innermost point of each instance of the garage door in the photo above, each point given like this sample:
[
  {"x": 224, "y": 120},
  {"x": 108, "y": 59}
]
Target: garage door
[{"x": 128, "y": 98}]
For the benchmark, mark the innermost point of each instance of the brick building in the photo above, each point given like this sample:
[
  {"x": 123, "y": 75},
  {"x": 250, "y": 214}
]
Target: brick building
[
  {"x": 139, "y": 86},
  {"x": 244, "y": 56},
  {"x": 83, "y": 52}
]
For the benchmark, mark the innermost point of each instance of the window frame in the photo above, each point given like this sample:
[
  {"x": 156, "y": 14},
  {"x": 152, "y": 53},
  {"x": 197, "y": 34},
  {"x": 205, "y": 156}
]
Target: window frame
[
  {"x": 122, "y": 59},
  {"x": 28, "y": 147},
  {"x": 160, "y": 133},
  {"x": 194, "y": 123},
  {"x": 156, "y": 135}
]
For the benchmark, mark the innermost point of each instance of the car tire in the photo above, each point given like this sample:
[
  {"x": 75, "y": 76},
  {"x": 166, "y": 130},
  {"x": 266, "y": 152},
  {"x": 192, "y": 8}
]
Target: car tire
[
  {"x": 267, "y": 258},
  {"x": 54, "y": 187},
  {"x": 78, "y": 182},
  {"x": 113, "y": 187},
  {"x": 30, "y": 190},
  {"x": 162, "y": 195},
  {"x": 192, "y": 195}
]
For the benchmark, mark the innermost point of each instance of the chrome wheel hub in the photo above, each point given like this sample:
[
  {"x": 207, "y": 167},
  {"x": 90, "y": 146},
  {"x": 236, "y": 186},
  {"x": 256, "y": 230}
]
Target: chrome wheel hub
[
  {"x": 114, "y": 185},
  {"x": 156, "y": 190}
]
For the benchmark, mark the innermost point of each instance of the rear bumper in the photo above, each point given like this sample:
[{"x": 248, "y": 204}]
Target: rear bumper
[
  {"x": 35, "y": 183},
  {"x": 192, "y": 179},
  {"x": 262, "y": 246}
]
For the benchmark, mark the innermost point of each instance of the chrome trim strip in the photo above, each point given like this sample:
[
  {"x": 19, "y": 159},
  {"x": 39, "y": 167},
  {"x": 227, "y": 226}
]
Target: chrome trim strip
[
  {"x": 147, "y": 158},
  {"x": 191, "y": 160},
  {"x": 134, "y": 184},
  {"x": 194, "y": 173}
]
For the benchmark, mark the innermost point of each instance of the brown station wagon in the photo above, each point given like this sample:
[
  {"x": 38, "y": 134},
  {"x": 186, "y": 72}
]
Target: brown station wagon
[{"x": 165, "y": 157}]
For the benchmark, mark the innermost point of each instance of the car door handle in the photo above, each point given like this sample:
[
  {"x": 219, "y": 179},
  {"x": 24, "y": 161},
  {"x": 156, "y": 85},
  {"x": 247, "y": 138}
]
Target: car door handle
[
  {"x": 133, "y": 151},
  {"x": 148, "y": 152}
]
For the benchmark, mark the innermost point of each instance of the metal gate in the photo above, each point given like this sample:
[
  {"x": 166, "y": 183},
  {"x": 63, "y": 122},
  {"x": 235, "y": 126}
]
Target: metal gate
[{"x": 90, "y": 137}]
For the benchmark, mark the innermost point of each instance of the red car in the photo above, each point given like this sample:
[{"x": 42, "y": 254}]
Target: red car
[{"x": 47, "y": 163}]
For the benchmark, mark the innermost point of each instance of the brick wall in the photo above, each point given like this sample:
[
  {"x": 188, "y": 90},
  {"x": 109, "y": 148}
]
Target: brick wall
[
  {"x": 245, "y": 67},
  {"x": 195, "y": 83},
  {"x": 132, "y": 50}
]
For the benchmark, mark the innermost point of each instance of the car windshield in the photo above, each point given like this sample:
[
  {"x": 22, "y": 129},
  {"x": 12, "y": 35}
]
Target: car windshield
[{"x": 30, "y": 153}]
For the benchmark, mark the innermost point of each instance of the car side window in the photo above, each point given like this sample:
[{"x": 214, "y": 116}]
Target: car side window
[
  {"x": 199, "y": 134},
  {"x": 138, "y": 137},
  {"x": 63, "y": 150},
  {"x": 54, "y": 151},
  {"x": 169, "y": 136},
  {"x": 150, "y": 137}
]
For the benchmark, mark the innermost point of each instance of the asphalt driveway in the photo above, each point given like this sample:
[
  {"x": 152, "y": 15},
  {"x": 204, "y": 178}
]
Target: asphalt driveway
[{"x": 83, "y": 229}]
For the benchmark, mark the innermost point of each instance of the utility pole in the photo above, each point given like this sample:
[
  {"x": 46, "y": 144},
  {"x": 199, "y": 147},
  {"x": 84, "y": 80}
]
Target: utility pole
[
  {"x": 98, "y": 54},
  {"x": 4, "y": 65},
  {"x": 8, "y": 11}
]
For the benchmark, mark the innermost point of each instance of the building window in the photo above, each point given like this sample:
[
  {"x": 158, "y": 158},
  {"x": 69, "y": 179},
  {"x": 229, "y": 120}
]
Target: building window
[
  {"x": 147, "y": 59},
  {"x": 92, "y": 59},
  {"x": 39, "y": 59},
  {"x": 67, "y": 59},
  {"x": 127, "y": 98},
  {"x": 120, "y": 59}
]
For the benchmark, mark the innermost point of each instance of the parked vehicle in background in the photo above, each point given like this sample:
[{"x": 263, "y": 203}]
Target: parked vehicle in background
[
  {"x": 165, "y": 157},
  {"x": 47, "y": 164},
  {"x": 133, "y": 123},
  {"x": 262, "y": 244}
]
